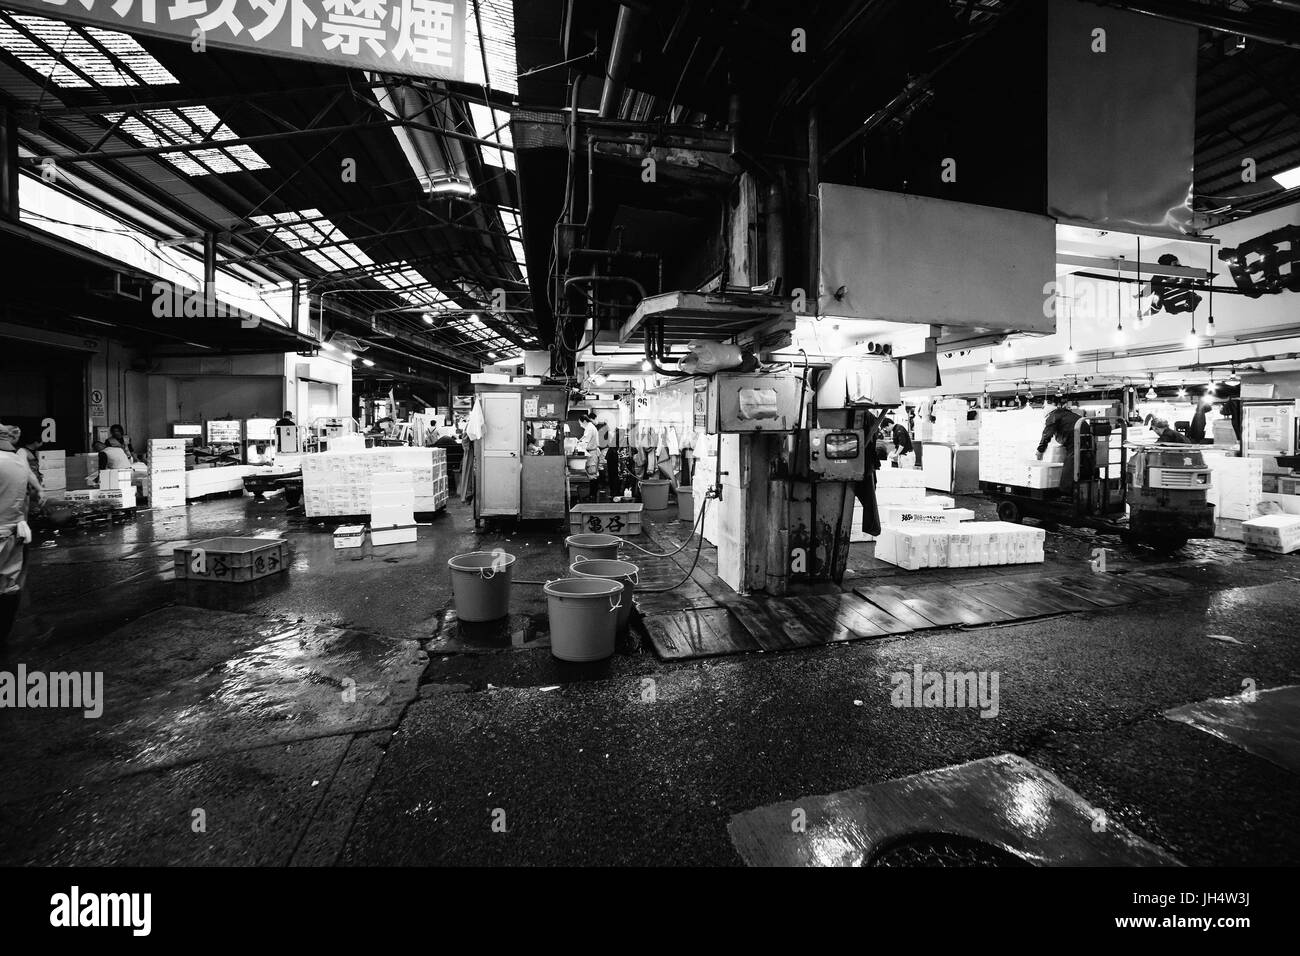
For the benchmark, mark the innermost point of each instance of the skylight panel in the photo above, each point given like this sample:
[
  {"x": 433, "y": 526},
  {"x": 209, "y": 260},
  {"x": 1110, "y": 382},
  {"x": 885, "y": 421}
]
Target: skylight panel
[
  {"x": 498, "y": 18},
  {"x": 306, "y": 228},
  {"x": 190, "y": 124},
  {"x": 493, "y": 125},
  {"x": 92, "y": 55}
]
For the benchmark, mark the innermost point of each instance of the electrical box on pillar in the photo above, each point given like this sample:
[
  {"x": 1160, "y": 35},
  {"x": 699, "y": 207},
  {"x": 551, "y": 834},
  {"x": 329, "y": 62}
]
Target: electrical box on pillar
[
  {"x": 761, "y": 402},
  {"x": 837, "y": 454}
]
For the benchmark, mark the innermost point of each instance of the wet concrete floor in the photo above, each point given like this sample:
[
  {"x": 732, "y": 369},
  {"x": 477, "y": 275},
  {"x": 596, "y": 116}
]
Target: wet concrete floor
[{"x": 327, "y": 715}]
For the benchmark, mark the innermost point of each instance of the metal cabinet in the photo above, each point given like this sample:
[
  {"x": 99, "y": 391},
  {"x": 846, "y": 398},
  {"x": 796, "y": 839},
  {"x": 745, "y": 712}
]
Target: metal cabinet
[
  {"x": 512, "y": 481},
  {"x": 500, "y": 452}
]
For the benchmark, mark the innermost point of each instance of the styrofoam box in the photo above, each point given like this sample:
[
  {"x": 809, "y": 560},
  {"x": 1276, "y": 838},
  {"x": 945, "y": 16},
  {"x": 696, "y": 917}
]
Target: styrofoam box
[
  {"x": 1041, "y": 475},
  {"x": 900, "y": 478},
  {"x": 900, "y": 496},
  {"x": 1277, "y": 533},
  {"x": 159, "y": 446},
  {"x": 349, "y": 536},
  {"x": 398, "y": 534},
  {"x": 893, "y": 516},
  {"x": 114, "y": 478},
  {"x": 939, "y": 501},
  {"x": 972, "y": 544}
]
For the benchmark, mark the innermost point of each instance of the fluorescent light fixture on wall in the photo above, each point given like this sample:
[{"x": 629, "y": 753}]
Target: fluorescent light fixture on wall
[{"x": 1289, "y": 178}]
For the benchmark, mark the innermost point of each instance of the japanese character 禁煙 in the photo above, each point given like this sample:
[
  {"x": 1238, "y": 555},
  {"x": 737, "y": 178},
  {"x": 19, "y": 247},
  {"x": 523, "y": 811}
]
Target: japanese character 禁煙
[
  {"x": 349, "y": 22},
  {"x": 425, "y": 31}
]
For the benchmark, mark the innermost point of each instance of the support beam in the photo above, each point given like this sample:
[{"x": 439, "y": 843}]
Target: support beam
[{"x": 8, "y": 166}]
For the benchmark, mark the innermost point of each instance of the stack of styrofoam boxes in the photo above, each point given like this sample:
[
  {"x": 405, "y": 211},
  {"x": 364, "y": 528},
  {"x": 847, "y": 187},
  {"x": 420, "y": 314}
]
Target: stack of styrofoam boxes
[
  {"x": 1236, "y": 491},
  {"x": 338, "y": 483},
  {"x": 392, "y": 508},
  {"x": 167, "y": 472},
  {"x": 895, "y": 487},
  {"x": 1277, "y": 533},
  {"x": 967, "y": 545},
  {"x": 913, "y": 548},
  {"x": 438, "y": 470},
  {"x": 119, "y": 479},
  {"x": 1009, "y": 446},
  {"x": 952, "y": 424},
  {"x": 54, "y": 471}
]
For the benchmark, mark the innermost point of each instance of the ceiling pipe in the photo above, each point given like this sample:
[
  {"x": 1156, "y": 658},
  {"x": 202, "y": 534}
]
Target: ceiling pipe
[{"x": 619, "y": 61}]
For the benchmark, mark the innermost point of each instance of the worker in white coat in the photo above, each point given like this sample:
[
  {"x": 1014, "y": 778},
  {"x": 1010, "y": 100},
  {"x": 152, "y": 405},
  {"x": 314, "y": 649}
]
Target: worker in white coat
[
  {"x": 18, "y": 487},
  {"x": 590, "y": 443}
]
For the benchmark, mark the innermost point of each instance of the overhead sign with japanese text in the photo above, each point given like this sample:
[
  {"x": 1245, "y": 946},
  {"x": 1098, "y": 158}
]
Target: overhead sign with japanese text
[{"x": 412, "y": 37}]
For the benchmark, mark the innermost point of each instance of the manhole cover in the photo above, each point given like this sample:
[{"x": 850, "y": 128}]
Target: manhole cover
[{"x": 943, "y": 849}]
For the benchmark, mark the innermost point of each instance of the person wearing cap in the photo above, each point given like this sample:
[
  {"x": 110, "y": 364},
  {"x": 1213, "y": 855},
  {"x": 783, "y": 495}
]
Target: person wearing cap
[
  {"x": 286, "y": 421},
  {"x": 18, "y": 485},
  {"x": 1166, "y": 435}
]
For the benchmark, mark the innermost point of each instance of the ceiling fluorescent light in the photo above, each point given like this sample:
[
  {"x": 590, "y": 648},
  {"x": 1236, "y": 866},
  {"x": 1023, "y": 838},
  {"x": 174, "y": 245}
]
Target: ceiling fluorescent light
[
  {"x": 1288, "y": 179},
  {"x": 449, "y": 186}
]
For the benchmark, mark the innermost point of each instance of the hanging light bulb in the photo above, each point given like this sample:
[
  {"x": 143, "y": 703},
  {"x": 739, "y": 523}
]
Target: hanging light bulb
[
  {"x": 1182, "y": 392},
  {"x": 645, "y": 365},
  {"x": 1009, "y": 349},
  {"x": 1120, "y": 335},
  {"x": 1193, "y": 340},
  {"x": 1070, "y": 355}
]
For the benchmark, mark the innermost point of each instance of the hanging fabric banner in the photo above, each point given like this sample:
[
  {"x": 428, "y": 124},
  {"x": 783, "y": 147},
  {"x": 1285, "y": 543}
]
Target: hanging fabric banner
[{"x": 411, "y": 37}]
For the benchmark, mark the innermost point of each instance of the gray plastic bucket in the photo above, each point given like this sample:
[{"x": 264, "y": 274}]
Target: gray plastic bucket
[
  {"x": 584, "y": 617},
  {"x": 480, "y": 584},
  {"x": 654, "y": 493},
  {"x": 685, "y": 503},
  {"x": 592, "y": 546},
  {"x": 624, "y": 572}
]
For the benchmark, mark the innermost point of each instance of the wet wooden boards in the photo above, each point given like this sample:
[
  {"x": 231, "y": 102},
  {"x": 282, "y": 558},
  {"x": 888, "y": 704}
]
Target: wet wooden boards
[{"x": 681, "y": 629}]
